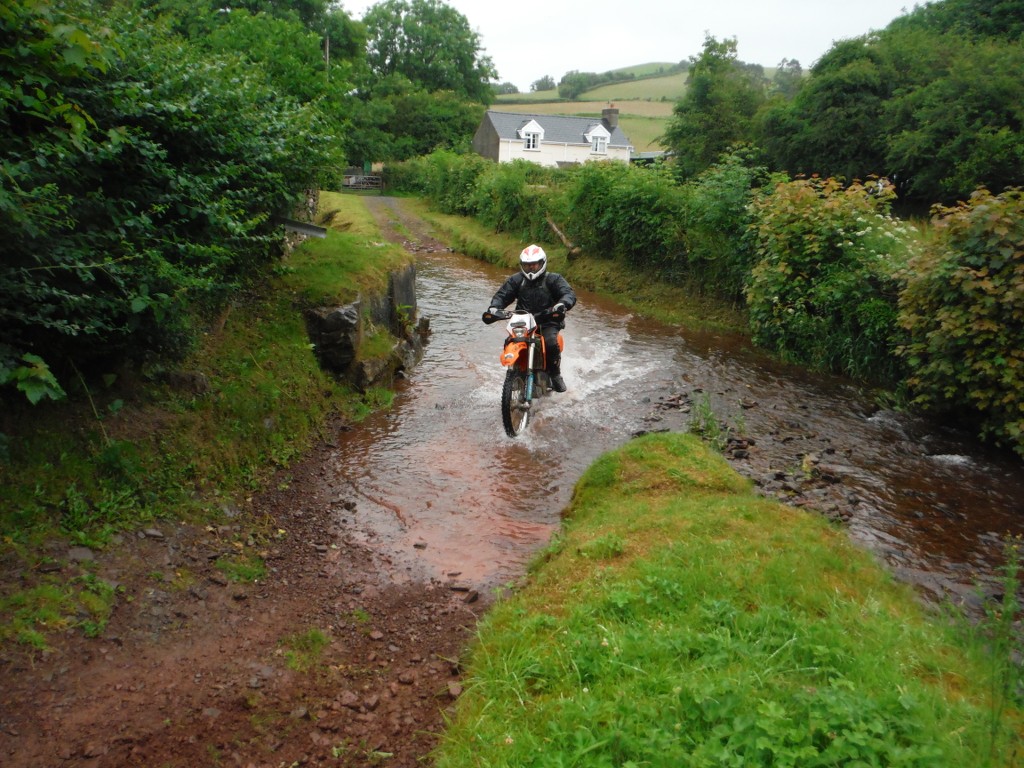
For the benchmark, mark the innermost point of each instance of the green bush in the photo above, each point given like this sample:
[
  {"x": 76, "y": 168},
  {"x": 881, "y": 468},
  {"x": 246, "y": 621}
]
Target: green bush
[
  {"x": 824, "y": 290},
  {"x": 154, "y": 203},
  {"x": 963, "y": 309},
  {"x": 619, "y": 210},
  {"x": 514, "y": 197},
  {"x": 586, "y": 201},
  {"x": 451, "y": 180},
  {"x": 408, "y": 176},
  {"x": 717, "y": 218}
]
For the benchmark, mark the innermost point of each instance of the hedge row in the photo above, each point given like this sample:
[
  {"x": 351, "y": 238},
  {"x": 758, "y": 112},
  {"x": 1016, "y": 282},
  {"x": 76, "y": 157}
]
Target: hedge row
[{"x": 828, "y": 276}]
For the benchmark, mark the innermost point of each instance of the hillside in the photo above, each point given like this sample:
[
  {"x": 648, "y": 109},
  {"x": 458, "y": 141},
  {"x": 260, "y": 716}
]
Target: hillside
[{"x": 645, "y": 105}]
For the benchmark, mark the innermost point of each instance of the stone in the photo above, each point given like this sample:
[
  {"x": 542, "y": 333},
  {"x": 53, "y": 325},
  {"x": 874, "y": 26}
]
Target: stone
[{"x": 81, "y": 555}]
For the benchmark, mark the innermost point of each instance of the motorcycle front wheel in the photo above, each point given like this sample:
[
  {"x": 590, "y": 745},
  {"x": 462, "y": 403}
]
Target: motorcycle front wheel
[{"x": 515, "y": 411}]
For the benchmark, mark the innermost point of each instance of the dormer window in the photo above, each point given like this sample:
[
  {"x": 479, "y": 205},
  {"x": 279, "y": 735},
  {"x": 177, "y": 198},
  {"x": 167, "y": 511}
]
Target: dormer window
[
  {"x": 532, "y": 135},
  {"x": 598, "y": 137}
]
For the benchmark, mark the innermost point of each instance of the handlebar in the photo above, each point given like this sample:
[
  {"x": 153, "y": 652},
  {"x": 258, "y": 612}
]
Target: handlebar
[
  {"x": 544, "y": 314},
  {"x": 489, "y": 318}
]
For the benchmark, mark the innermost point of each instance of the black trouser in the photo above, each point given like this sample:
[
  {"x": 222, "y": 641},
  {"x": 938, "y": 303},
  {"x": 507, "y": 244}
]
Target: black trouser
[{"x": 553, "y": 355}]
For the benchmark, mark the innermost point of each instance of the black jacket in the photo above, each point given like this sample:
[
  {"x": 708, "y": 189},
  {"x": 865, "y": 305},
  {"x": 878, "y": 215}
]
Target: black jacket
[{"x": 535, "y": 295}]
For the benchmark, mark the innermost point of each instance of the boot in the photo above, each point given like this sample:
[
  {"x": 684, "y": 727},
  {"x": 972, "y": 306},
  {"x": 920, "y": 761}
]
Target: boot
[{"x": 557, "y": 382}]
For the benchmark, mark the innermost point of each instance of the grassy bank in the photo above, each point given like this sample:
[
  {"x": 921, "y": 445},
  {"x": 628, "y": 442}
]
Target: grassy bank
[
  {"x": 185, "y": 443},
  {"x": 680, "y": 620}
]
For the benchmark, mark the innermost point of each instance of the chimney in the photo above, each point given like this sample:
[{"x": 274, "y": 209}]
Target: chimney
[{"x": 610, "y": 117}]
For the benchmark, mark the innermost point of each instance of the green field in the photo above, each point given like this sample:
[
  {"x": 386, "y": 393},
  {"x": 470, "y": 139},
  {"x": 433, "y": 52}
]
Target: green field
[
  {"x": 651, "y": 68},
  {"x": 669, "y": 88}
]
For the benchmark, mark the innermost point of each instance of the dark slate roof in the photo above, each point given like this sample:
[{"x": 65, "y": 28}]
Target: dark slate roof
[{"x": 560, "y": 129}]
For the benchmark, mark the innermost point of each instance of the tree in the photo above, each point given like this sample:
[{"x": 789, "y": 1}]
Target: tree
[
  {"x": 431, "y": 44},
  {"x": 834, "y": 126},
  {"x": 1002, "y": 19},
  {"x": 506, "y": 88},
  {"x": 953, "y": 133},
  {"x": 936, "y": 111},
  {"x": 195, "y": 20},
  {"x": 399, "y": 120},
  {"x": 717, "y": 111},
  {"x": 574, "y": 82},
  {"x": 546, "y": 83},
  {"x": 789, "y": 76},
  {"x": 285, "y": 49}
]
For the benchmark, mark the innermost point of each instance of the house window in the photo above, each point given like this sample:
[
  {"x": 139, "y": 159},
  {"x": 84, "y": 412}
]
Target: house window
[
  {"x": 600, "y": 145},
  {"x": 532, "y": 141}
]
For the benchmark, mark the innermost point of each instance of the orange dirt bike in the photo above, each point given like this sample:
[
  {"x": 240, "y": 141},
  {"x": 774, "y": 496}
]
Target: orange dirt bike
[{"x": 523, "y": 356}]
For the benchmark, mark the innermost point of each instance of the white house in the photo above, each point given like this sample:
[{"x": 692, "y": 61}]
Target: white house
[{"x": 553, "y": 140}]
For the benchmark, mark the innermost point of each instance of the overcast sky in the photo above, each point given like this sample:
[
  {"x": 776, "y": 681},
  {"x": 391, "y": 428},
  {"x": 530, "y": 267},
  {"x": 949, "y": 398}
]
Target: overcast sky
[{"x": 528, "y": 40}]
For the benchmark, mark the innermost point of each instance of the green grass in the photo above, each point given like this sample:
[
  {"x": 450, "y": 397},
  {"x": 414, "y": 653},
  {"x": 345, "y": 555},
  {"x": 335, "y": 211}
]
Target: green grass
[
  {"x": 55, "y": 604},
  {"x": 352, "y": 259},
  {"x": 669, "y": 88},
  {"x": 242, "y": 567},
  {"x": 590, "y": 108},
  {"x": 680, "y": 620},
  {"x": 302, "y": 651},
  {"x": 82, "y": 470},
  {"x": 644, "y": 133}
]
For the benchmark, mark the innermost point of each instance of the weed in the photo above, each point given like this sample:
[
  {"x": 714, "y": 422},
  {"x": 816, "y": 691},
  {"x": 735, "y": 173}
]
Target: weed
[
  {"x": 242, "y": 567},
  {"x": 84, "y": 602},
  {"x": 604, "y": 547},
  {"x": 360, "y": 616},
  {"x": 705, "y": 423},
  {"x": 302, "y": 651}
]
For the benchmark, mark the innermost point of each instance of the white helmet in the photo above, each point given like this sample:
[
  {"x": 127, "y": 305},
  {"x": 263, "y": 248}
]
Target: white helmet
[{"x": 533, "y": 261}]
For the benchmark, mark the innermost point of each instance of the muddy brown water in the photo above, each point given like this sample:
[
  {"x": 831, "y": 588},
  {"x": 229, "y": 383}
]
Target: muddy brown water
[{"x": 446, "y": 495}]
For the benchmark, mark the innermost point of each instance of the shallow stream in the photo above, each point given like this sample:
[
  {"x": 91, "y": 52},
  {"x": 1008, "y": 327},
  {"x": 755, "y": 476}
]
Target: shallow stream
[{"x": 448, "y": 496}]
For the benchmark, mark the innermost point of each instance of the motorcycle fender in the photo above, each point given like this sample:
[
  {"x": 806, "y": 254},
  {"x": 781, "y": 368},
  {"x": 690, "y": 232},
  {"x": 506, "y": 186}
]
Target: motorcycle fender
[
  {"x": 544, "y": 348},
  {"x": 511, "y": 353}
]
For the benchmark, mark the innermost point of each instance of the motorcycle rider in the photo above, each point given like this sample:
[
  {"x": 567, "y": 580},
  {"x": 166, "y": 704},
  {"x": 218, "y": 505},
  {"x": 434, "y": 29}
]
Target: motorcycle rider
[{"x": 536, "y": 290}]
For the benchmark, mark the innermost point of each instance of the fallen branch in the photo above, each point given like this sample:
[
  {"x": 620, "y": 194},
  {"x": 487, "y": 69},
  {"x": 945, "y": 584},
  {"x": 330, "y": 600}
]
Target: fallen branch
[{"x": 573, "y": 250}]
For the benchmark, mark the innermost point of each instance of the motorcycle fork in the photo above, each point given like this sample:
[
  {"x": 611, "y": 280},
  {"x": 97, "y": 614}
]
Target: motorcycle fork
[{"x": 530, "y": 376}]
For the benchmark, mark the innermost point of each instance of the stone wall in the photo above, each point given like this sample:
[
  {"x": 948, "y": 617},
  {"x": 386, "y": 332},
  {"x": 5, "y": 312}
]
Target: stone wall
[{"x": 337, "y": 333}]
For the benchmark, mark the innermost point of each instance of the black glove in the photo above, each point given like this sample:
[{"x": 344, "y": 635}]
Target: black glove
[{"x": 558, "y": 309}]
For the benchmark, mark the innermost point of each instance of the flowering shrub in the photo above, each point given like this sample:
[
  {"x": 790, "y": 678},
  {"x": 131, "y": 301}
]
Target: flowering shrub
[
  {"x": 963, "y": 309},
  {"x": 824, "y": 289}
]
